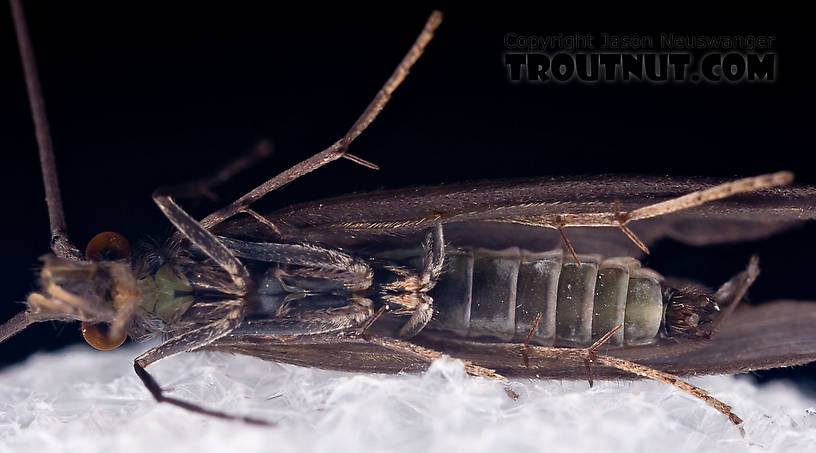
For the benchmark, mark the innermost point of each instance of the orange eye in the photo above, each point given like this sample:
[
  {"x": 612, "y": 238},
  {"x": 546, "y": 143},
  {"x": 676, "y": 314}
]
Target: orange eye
[
  {"x": 107, "y": 246},
  {"x": 97, "y": 336}
]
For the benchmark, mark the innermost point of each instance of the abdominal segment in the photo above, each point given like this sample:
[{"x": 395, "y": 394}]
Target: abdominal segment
[{"x": 499, "y": 293}]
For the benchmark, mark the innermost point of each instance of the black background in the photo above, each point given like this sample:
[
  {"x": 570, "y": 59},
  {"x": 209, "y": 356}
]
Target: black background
[{"x": 141, "y": 96}]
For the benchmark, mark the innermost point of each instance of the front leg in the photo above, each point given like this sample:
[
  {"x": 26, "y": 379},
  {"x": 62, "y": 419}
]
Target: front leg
[
  {"x": 187, "y": 342},
  {"x": 206, "y": 241}
]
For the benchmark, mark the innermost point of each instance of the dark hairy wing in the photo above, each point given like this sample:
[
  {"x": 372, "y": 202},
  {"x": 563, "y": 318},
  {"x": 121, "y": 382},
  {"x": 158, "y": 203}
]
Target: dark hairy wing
[
  {"x": 776, "y": 334},
  {"x": 360, "y": 219},
  {"x": 771, "y": 335}
]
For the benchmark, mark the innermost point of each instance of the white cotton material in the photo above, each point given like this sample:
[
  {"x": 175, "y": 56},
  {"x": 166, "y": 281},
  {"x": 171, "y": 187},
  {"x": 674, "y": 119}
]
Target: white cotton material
[{"x": 81, "y": 400}]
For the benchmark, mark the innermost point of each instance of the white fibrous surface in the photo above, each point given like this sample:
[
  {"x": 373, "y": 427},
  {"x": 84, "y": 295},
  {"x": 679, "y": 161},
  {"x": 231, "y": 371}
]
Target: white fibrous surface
[{"x": 85, "y": 400}]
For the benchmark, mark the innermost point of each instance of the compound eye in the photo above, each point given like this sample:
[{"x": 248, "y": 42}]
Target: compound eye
[
  {"x": 97, "y": 336},
  {"x": 107, "y": 246}
]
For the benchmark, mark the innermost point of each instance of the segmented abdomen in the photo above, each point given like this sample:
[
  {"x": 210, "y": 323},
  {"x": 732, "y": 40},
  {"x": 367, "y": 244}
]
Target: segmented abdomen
[{"x": 499, "y": 294}]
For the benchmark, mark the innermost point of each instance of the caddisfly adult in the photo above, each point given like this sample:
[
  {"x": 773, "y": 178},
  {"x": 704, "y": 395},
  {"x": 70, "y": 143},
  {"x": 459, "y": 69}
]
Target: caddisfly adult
[{"x": 392, "y": 279}]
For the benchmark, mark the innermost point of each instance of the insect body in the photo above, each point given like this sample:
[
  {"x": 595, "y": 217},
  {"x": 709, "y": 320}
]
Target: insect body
[
  {"x": 479, "y": 293},
  {"x": 312, "y": 284}
]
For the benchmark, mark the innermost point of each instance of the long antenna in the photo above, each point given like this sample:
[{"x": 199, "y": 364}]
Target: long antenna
[{"x": 61, "y": 245}]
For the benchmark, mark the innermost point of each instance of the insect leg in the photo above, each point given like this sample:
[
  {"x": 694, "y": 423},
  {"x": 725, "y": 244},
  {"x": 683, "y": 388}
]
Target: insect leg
[
  {"x": 367, "y": 325},
  {"x": 338, "y": 149},
  {"x": 353, "y": 315},
  {"x": 595, "y": 346},
  {"x": 587, "y": 354},
  {"x": 717, "y": 192},
  {"x": 524, "y": 358},
  {"x": 568, "y": 244},
  {"x": 434, "y": 248},
  {"x": 187, "y": 342},
  {"x": 204, "y": 187},
  {"x": 620, "y": 219},
  {"x": 731, "y": 292},
  {"x": 621, "y": 216},
  {"x": 205, "y": 240},
  {"x": 61, "y": 244},
  {"x": 670, "y": 379},
  {"x": 353, "y": 271},
  {"x": 430, "y": 355},
  {"x": 422, "y": 312}
]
